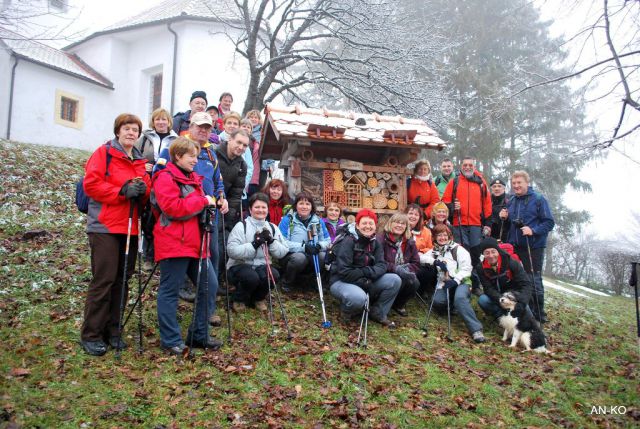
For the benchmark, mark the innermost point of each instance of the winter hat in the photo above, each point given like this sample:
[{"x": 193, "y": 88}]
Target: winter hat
[
  {"x": 489, "y": 243},
  {"x": 366, "y": 213},
  {"x": 439, "y": 206},
  {"x": 198, "y": 94},
  {"x": 497, "y": 182}
]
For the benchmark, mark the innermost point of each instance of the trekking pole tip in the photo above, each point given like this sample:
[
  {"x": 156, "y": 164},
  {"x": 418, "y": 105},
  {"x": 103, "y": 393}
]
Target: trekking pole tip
[{"x": 326, "y": 324}]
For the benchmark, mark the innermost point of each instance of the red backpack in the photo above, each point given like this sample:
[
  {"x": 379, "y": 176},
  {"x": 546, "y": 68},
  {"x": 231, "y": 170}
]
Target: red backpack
[{"x": 508, "y": 248}]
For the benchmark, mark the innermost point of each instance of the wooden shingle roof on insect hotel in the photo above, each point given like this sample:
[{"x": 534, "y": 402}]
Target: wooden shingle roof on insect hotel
[{"x": 337, "y": 128}]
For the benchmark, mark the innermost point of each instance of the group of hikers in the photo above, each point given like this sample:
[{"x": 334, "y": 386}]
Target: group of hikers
[{"x": 189, "y": 186}]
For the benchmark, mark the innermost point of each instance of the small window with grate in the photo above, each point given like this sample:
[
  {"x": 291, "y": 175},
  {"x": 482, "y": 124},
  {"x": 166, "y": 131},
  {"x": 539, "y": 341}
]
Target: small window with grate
[
  {"x": 68, "y": 109},
  {"x": 156, "y": 91}
]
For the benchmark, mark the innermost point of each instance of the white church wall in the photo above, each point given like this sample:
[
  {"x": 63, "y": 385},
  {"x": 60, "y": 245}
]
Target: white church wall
[
  {"x": 6, "y": 63},
  {"x": 206, "y": 62},
  {"x": 34, "y": 109}
]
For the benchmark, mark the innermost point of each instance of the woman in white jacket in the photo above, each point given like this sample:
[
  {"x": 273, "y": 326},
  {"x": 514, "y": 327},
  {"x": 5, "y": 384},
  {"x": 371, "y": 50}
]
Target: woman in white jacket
[
  {"x": 246, "y": 266},
  {"x": 453, "y": 263}
]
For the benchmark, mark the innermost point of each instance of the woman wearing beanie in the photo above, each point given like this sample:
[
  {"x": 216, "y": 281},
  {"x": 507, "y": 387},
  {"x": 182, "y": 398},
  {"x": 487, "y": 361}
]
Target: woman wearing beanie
[
  {"x": 420, "y": 189},
  {"x": 439, "y": 216},
  {"x": 359, "y": 270},
  {"x": 453, "y": 263}
]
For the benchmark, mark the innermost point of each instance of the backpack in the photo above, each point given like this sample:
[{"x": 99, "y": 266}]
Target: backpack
[
  {"x": 508, "y": 249},
  {"x": 341, "y": 233},
  {"x": 82, "y": 199}
]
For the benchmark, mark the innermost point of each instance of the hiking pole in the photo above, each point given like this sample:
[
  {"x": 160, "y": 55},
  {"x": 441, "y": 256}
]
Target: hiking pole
[
  {"x": 426, "y": 322},
  {"x": 271, "y": 278},
  {"x": 533, "y": 278},
  {"x": 124, "y": 281},
  {"x": 448, "y": 315},
  {"x": 140, "y": 257},
  {"x": 226, "y": 276},
  {"x": 460, "y": 226},
  {"x": 313, "y": 237},
  {"x": 364, "y": 321},
  {"x": 192, "y": 325},
  {"x": 633, "y": 281},
  {"x": 140, "y": 294}
]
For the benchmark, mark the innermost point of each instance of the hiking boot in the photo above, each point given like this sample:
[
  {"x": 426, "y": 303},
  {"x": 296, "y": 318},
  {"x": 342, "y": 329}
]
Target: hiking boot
[
  {"x": 209, "y": 343},
  {"x": 94, "y": 348},
  {"x": 215, "y": 320},
  {"x": 384, "y": 321},
  {"x": 478, "y": 337},
  {"x": 401, "y": 311},
  {"x": 178, "y": 350},
  {"x": 346, "y": 317},
  {"x": 285, "y": 286},
  {"x": 239, "y": 306},
  {"x": 117, "y": 343},
  {"x": 261, "y": 305},
  {"x": 187, "y": 292}
]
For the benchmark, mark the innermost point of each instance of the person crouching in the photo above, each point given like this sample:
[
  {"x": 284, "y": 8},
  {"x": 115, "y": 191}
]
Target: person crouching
[
  {"x": 360, "y": 269},
  {"x": 247, "y": 267},
  {"x": 178, "y": 197}
]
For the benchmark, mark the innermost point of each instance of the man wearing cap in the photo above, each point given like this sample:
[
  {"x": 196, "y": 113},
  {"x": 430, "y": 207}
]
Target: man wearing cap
[
  {"x": 499, "y": 200},
  {"x": 531, "y": 223},
  {"x": 197, "y": 103},
  {"x": 199, "y": 129},
  {"x": 500, "y": 273},
  {"x": 359, "y": 272}
]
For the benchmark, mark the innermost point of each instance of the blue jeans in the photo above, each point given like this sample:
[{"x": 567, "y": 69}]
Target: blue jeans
[
  {"x": 172, "y": 272},
  {"x": 467, "y": 236},
  {"x": 492, "y": 308},
  {"x": 381, "y": 296},
  {"x": 461, "y": 301}
]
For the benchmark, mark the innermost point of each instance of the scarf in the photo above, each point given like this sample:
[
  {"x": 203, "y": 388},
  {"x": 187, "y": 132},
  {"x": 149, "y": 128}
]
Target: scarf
[{"x": 275, "y": 211}]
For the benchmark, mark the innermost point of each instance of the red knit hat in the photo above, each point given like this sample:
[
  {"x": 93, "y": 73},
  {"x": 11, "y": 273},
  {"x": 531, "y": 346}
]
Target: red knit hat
[{"x": 366, "y": 213}]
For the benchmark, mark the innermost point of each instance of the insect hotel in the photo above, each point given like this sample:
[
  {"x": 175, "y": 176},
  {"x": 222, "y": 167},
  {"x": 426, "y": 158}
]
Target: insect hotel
[{"x": 357, "y": 160}]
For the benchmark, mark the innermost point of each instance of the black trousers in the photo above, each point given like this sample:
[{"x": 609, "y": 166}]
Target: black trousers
[{"x": 251, "y": 282}]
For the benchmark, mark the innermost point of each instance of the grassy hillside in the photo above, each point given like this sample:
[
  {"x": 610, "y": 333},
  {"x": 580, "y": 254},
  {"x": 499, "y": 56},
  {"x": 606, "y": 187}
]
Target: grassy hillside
[{"x": 404, "y": 379}]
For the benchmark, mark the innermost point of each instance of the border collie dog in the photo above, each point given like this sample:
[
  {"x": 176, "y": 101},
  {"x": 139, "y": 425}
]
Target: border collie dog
[{"x": 520, "y": 325}]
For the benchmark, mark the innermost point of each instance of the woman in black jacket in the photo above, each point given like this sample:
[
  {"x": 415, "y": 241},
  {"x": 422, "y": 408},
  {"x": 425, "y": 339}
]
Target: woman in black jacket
[{"x": 359, "y": 269}]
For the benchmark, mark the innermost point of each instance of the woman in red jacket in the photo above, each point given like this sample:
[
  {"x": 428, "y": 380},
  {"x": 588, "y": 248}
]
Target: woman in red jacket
[
  {"x": 178, "y": 195},
  {"x": 117, "y": 186},
  {"x": 421, "y": 190}
]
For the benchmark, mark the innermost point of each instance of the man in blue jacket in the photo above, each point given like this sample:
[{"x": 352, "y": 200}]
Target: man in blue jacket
[{"x": 531, "y": 223}]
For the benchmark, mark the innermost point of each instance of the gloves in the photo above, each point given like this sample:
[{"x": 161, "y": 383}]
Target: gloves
[
  {"x": 133, "y": 189},
  {"x": 450, "y": 284},
  {"x": 258, "y": 240},
  {"x": 266, "y": 236},
  {"x": 441, "y": 264},
  {"x": 311, "y": 249},
  {"x": 364, "y": 283},
  {"x": 405, "y": 273}
]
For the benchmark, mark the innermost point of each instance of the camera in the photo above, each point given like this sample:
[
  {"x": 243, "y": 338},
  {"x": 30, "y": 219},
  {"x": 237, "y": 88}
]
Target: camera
[
  {"x": 518, "y": 223},
  {"x": 207, "y": 218}
]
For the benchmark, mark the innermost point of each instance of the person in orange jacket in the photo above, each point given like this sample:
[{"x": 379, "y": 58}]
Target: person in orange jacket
[
  {"x": 469, "y": 201},
  {"x": 118, "y": 186},
  {"x": 420, "y": 188}
]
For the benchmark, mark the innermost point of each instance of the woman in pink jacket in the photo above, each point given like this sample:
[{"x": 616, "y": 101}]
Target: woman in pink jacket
[{"x": 180, "y": 203}]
